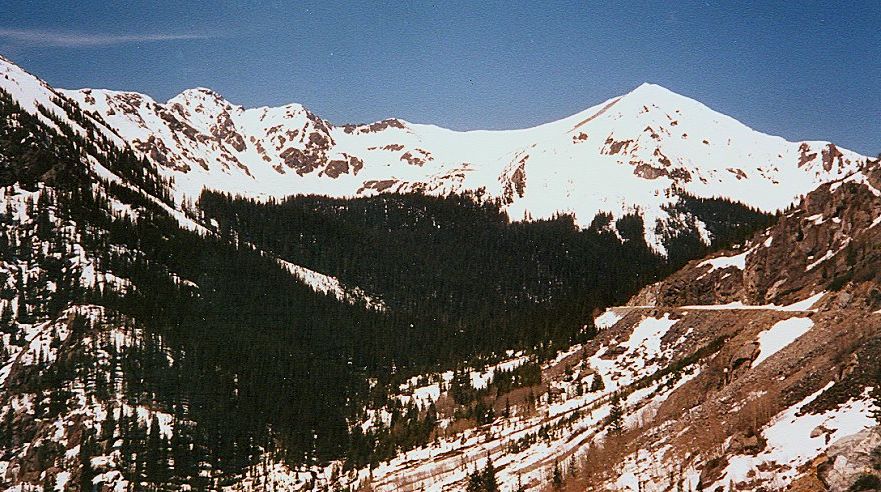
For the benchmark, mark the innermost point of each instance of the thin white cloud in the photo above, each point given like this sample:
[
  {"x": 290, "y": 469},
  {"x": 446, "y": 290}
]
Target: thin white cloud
[{"x": 63, "y": 39}]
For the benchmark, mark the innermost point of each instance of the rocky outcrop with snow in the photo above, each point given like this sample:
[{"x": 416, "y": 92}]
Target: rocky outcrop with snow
[
  {"x": 823, "y": 243},
  {"x": 45, "y": 102}
]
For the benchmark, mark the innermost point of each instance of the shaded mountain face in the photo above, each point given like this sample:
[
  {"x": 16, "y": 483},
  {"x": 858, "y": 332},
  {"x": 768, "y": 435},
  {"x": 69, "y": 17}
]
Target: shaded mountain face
[{"x": 630, "y": 154}]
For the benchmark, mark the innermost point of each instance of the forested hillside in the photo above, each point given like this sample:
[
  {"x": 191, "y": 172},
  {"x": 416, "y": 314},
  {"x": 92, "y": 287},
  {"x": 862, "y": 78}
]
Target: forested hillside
[
  {"x": 246, "y": 359},
  {"x": 458, "y": 265}
]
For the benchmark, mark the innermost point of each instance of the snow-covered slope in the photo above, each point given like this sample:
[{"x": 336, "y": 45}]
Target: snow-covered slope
[
  {"x": 41, "y": 100},
  {"x": 630, "y": 153}
]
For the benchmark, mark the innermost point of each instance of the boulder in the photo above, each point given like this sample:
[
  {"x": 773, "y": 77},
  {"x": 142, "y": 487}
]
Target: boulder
[
  {"x": 744, "y": 444},
  {"x": 848, "y": 458}
]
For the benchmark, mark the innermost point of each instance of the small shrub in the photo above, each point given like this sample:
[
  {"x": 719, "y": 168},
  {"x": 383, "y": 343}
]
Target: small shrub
[
  {"x": 866, "y": 481},
  {"x": 838, "y": 282}
]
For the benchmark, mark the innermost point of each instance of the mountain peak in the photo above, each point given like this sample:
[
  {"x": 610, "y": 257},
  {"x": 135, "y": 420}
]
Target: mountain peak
[
  {"x": 632, "y": 152},
  {"x": 651, "y": 86},
  {"x": 199, "y": 94},
  {"x": 649, "y": 92}
]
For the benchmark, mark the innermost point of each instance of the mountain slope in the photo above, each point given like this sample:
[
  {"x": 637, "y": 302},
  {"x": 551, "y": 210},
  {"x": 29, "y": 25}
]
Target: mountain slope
[
  {"x": 631, "y": 153},
  {"x": 134, "y": 343},
  {"x": 150, "y": 344},
  {"x": 748, "y": 370}
]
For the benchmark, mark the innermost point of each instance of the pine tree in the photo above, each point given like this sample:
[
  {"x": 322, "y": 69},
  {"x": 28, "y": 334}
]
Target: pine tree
[
  {"x": 87, "y": 473},
  {"x": 616, "y": 415},
  {"x": 489, "y": 477},
  {"x": 108, "y": 428},
  {"x": 557, "y": 476},
  {"x": 597, "y": 383},
  {"x": 475, "y": 482},
  {"x": 5, "y": 318},
  {"x": 876, "y": 397}
]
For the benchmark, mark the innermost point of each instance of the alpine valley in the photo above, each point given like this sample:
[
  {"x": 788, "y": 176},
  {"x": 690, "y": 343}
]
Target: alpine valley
[{"x": 647, "y": 295}]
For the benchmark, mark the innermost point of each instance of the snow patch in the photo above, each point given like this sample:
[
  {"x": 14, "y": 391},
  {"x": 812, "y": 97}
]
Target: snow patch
[
  {"x": 722, "y": 262},
  {"x": 608, "y": 319},
  {"x": 780, "y": 335},
  {"x": 790, "y": 445},
  {"x": 326, "y": 284}
]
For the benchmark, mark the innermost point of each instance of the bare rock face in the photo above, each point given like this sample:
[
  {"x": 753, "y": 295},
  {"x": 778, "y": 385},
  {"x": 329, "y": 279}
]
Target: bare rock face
[
  {"x": 822, "y": 239},
  {"x": 719, "y": 286},
  {"x": 824, "y": 243},
  {"x": 712, "y": 471},
  {"x": 337, "y": 167},
  {"x": 616, "y": 146},
  {"x": 375, "y": 127},
  {"x": 516, "y": 183},
  {"x": 848, "y": 459},
  {"x": 225, "y": 132},
  {"x": 416, "y": 157},
  {"x": 378, "y": 185},
  {"x": 805, "y": 154},
  {"x": 741, "y": 360},
  {"x": 831, "y": 157},
  {"x": 646, "y": 171},
  {"x": 743, "y": 443}
]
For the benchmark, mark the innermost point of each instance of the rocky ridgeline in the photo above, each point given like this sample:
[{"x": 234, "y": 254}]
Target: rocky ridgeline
[{"x": 825, "y": 242}]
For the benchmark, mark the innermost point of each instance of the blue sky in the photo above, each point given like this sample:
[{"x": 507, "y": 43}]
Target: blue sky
[{"x": 803, "y": 70}]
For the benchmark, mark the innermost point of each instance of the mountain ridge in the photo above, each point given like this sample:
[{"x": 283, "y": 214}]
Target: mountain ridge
[{"x": 630, "y": 153}]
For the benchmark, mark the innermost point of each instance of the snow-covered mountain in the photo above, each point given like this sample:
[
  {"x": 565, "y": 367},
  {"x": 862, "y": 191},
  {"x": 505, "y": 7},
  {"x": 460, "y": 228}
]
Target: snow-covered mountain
[
  {"x": 750, "y": 369},
  {"x": 47, "y": 103},
  {"x": 630, "y": 153}
]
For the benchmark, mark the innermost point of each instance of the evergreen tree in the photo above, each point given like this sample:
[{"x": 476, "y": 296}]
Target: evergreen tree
[
  {"x": 475, "y": 482},
  {"x": 597, "y": 383},
  {"x": 108, "y": 429},
  {"x": 875, "y": 394},
  {"x": 490, "y": 484},
  {"x": 87, "y": 473},
  {"x": 557, "y": 477},
  {"x": 616, "y": 415}
]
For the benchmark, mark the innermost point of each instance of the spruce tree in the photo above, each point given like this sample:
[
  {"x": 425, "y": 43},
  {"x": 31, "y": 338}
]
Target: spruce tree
[
  {"x": 875, "y": 412},
  {"x": 557, "y": 477},
  {"x": 616, "y": 415},
  {"x": 490, "y": 484},
  {"x": 597, "y": 383},
  {"x": 475, "y": 482},
  {"x": 87, "y": 473}
]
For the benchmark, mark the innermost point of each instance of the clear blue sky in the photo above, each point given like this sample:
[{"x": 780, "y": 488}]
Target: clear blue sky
[{"x": 803, "y": 70}]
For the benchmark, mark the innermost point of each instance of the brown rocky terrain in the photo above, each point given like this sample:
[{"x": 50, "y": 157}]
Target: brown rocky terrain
[{"x": 826, "y": 241}]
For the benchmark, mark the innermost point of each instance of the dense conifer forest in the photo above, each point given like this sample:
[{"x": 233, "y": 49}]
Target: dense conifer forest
[{"x": 458, "y": 265}]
